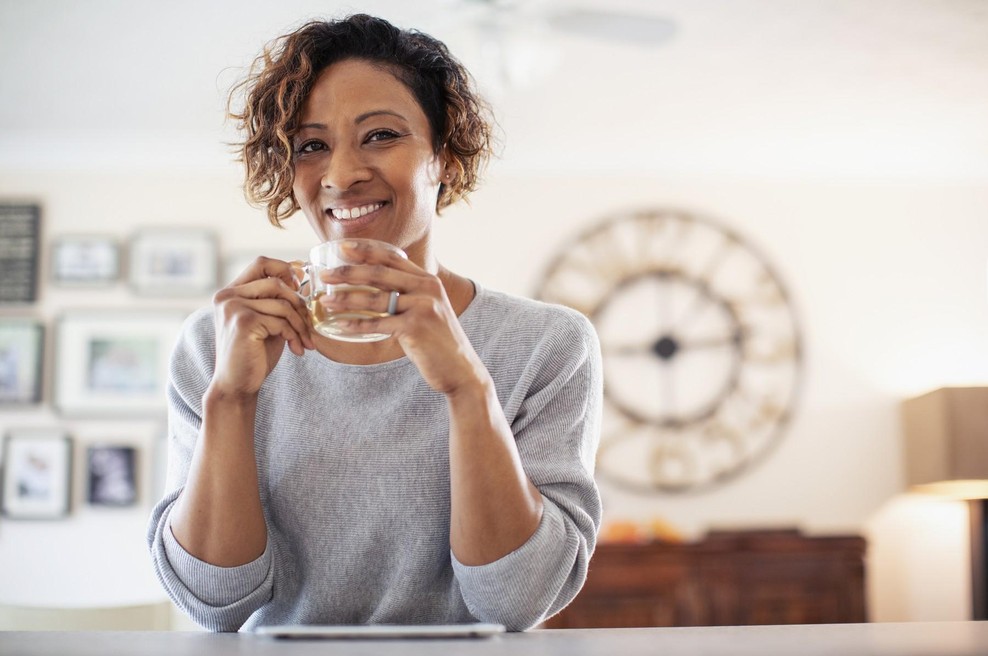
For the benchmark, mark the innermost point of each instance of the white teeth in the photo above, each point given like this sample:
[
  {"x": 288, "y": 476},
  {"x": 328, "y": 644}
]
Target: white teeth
[{"x": 356, "y": 212}]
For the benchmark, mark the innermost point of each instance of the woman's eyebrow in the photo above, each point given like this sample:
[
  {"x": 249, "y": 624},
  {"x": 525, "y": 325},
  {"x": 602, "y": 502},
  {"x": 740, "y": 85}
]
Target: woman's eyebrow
[
  {"x": 360, "y": 119},
  {"x": 378, "y": 112}
]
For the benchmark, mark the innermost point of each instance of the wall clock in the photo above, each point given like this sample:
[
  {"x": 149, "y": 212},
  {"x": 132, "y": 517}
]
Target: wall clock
[{"x": 701, "y": 346}]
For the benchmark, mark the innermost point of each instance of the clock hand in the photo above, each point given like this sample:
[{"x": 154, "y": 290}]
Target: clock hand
[
  {"x": 626, "y": 349},
  {"x": 668, "y": 406},
  {"x": 664, "y": 348},
  {"x": 713, "y": 342}
]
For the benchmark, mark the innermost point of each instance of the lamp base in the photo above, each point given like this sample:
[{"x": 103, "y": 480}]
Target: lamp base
[{"x": 979, "y": 557}]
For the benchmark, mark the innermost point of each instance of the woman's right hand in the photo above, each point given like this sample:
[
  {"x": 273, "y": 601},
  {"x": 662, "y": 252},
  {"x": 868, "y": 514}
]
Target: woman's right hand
[{"x": 255, "y": 315}]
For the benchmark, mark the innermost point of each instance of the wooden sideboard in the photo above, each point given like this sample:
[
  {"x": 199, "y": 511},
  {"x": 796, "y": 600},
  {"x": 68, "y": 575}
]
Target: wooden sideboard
[{"x": 728, "y": 578}]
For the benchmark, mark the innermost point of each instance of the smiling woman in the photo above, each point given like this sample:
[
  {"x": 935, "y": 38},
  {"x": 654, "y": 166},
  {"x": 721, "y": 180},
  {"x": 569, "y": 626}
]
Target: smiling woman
[{"x": 441, "y": 475}]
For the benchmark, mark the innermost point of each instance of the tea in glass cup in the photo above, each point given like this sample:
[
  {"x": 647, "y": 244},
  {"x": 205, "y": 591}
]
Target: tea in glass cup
[{"x": 326, "y": 256}]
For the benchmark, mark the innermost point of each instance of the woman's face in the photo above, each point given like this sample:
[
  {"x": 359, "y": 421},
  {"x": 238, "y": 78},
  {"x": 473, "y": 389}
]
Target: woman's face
[{"x": 364, "y": 164}]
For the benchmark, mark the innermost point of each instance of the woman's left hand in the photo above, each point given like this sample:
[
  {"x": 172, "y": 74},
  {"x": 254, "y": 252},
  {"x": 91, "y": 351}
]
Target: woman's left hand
[{"x": 424, "y": 322}]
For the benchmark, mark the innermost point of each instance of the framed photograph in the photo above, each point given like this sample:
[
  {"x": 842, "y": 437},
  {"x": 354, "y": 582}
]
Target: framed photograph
[
  {"x": 111, "y": 475},
  {"x": 173, "y": 262},
  {"x": 85, "y": 260},
  {"x": 21, "y": 358},
  {"x": 113, "y": 364},
  {"x": 37, "y": 474},
  {"x": 20, "y": 236}
]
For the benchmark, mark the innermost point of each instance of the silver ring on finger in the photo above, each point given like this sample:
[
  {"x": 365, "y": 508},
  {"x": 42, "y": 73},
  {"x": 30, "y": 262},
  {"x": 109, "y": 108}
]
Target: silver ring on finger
[{"x": 393, "y": 302}]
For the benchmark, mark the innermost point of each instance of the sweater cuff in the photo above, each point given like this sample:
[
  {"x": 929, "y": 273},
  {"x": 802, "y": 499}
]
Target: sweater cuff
[
  {"x": 517, "y": 589},
  {"x": 214, "y": 585}
]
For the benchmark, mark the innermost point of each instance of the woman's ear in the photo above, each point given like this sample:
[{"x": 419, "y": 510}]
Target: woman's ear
[{"x": 447, "y": 174}]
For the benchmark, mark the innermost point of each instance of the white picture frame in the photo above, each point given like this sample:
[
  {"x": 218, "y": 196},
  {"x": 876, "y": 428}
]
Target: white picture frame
[
  {"x": 173, "y": 262},
  {"x": 113, "y": 364},
  {"x": 22, "y": 344},
  {"x": 84, "y": 260},
  {"x": 37, "y": 474}
]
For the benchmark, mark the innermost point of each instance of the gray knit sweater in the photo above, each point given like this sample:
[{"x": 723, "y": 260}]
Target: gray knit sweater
[{"x": 354, "y": 477}]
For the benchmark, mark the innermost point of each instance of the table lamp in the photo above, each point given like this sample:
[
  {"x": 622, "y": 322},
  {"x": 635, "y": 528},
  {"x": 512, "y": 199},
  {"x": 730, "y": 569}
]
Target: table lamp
[{"x": 946, "y": 449}]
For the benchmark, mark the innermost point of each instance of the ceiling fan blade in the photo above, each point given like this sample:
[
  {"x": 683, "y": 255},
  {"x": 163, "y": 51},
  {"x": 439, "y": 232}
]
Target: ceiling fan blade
[{"x": 637, "y": 29}]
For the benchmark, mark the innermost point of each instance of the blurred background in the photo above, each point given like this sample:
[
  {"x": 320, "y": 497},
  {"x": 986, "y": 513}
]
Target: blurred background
[{"x": 845, "y": 141}]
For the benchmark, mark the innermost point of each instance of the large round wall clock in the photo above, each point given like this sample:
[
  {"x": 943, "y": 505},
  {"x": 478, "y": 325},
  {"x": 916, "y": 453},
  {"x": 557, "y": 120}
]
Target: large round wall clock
[{"x": 701, "y": 346}]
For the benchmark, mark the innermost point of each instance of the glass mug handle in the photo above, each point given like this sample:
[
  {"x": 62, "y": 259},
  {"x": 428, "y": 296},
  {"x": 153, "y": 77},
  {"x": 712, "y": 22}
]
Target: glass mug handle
[{"x": 306, "y": 279}]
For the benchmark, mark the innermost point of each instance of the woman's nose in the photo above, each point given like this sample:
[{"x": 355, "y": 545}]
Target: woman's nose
[{"x": 344, "y": 167}]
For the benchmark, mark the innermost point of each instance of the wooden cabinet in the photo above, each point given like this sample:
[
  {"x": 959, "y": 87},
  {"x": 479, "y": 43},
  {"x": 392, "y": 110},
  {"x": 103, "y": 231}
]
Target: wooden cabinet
[{"x": 729, "y": 578}]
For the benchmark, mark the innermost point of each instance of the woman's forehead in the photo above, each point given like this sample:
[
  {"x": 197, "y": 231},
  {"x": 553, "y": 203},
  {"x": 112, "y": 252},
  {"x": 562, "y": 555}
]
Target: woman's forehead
[{"x": 355, "y": 86}]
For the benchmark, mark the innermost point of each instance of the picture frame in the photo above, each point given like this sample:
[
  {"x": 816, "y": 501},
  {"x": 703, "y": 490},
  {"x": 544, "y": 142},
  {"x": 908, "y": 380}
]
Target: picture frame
[
  {"x": 111, "y": 475},
  {"x": 113, "y": 363},
  {"x": 173, "y": 262},
  {"x": 20, "y": 246},
  {"x": 84, "y": 260},
  {"x": 22, "y": 345},
  {"x": 37, "y": 474}
]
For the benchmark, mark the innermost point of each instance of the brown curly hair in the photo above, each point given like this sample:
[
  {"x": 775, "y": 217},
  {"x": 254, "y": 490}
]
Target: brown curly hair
[{"x": 280, "y": 79}]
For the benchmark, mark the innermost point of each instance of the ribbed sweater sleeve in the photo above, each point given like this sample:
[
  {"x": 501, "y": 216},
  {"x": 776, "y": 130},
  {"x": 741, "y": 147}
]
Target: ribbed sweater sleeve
[
  {"x": 557, "y": 428},
  {"x": 217, "y": 598}
]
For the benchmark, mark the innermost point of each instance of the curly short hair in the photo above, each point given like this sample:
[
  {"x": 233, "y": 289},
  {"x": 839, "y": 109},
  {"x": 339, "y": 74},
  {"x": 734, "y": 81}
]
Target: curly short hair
[{"x": 281, "y": 78}]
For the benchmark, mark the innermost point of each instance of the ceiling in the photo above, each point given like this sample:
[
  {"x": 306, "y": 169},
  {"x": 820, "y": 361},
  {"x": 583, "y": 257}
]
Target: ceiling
[{"x": 835, "y": 88}]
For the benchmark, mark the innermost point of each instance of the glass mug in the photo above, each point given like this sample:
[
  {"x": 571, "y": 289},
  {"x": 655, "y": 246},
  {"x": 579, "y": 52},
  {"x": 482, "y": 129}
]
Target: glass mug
[{"x": 328, "y": 255}]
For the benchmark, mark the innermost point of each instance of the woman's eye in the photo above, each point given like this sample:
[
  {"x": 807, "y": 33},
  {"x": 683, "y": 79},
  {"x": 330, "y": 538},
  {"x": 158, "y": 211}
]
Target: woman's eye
[
  {"x": 308, "y": 147},
  {"x": 382, "y": 135}
]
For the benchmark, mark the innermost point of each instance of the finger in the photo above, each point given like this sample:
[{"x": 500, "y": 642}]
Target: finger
[
  {"x": 269, "y": 288},
  {"x": 298, "y": 269},
  {"x": 279, "y": 308},
  {"x": 359, "y": 300},
  {"x": 272, "y": 289},
  {"x": 379, "y": 276},
  {"x": 340, "y": 298},
  {"x": 262, "y": 326},
  {"x": 247, "y": 310},
  {"x": 267, "y": 267},
  {"x": 277, "y": 327}
]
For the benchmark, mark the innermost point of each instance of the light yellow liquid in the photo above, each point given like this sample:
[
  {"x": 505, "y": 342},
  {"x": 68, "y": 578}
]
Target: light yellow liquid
[{"x": 328, "y": 323}]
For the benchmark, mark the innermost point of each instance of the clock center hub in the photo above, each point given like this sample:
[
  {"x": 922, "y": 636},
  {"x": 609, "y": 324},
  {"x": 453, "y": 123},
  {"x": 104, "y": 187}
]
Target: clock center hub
[{"x": 665, "y": 347}]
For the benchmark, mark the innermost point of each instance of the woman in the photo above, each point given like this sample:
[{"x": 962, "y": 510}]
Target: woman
[{"x": 443, "y": 475}]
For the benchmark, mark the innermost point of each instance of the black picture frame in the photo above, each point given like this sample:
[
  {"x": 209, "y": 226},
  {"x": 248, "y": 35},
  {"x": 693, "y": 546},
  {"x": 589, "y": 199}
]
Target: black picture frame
[
  {"x": 111, "y": 475},
  {"x": 20, "y": 238}
]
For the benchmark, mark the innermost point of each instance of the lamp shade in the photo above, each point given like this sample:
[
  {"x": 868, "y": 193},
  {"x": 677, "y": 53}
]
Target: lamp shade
[{"x": 946, "y": 442}]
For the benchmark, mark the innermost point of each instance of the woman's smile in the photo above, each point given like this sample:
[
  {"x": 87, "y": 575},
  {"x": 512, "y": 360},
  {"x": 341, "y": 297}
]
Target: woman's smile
[
  {"x": 344, "y": 213},
  {"x": 353, "y": 219}
]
